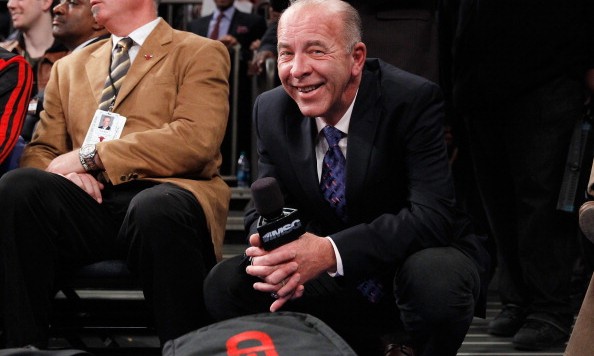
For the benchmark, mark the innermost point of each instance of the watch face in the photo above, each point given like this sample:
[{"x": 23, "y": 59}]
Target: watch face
[{"x": 87, "y": 150}]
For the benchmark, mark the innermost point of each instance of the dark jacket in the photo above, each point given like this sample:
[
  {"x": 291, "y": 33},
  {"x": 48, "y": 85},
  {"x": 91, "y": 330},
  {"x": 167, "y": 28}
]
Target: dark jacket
[
  {"x": 399, "y": 192},
  {"x": 245, "y": 27},
  {"x": 16, "y": 82}
]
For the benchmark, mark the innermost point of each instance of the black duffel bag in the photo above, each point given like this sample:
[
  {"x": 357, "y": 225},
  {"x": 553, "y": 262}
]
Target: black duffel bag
[{"x": 266, "y": 334}]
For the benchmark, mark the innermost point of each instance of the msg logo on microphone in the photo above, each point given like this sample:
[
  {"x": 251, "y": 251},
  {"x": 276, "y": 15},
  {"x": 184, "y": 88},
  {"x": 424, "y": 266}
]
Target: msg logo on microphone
[{"x": 283, "y": 230}]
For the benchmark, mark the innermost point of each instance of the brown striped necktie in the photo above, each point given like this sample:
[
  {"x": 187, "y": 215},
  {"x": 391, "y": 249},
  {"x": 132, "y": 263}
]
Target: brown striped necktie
[{"x": 119, "y": 67}]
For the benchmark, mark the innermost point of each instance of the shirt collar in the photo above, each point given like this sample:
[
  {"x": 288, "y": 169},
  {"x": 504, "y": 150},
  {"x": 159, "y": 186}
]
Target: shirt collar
[
  {"x": 343, "y": 123},
  {"x": 228, "y": 13},
  {"x": 139, "y": 35}
]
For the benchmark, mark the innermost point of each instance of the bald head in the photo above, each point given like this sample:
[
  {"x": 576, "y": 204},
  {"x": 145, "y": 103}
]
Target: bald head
[
  {"x": 337, "y": 9},
  {"x": 321, "y": 57}
]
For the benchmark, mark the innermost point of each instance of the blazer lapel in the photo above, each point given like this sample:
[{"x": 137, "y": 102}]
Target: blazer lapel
[
  {"x": 233, "y": 24},
  {"x": 362, "y": 132},
  {"x": 300, "y": 138},
  {"x": 152, "y": 51},
  {"x": 98, "y": 68}
]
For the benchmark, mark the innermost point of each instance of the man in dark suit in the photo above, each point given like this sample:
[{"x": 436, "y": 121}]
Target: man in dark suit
[
  {"x": 514, "y": 84},
  {"x": 235, "y": 27},
  {"x": 396, "y": 255}
]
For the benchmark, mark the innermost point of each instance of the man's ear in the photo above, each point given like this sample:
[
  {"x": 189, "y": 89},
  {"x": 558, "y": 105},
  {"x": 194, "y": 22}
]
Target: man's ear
[
  {"x": 47, "y": 5},
  {"x": 359, "y": 55}
]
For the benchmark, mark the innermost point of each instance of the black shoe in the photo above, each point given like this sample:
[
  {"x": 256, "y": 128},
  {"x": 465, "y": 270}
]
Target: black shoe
[
  {"x": 509, "y": 320},
  {"x": 537, "y": 335}
]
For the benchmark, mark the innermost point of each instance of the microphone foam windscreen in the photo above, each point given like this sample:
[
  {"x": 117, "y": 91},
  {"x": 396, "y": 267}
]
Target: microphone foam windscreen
[{"x": 268, "y": 198}]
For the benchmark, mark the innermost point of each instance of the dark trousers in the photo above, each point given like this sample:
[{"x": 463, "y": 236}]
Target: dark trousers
[
  {"x": 433, "y": 299},
  {"x": 519, "y": 152},
  {"x": 49, "y": 226}
]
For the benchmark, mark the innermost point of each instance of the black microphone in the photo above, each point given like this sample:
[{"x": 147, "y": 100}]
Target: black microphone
[{"x": 277, "y": 225}]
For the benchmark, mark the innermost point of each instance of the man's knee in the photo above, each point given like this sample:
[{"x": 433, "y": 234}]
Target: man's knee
[
  {"x": 437, "y": 285},
  {"x": 164, "y": 205},
  {"x": 20, "y": 182},
  {"x": 228, "y": 290},
  {"x": 167, "y": 222}
]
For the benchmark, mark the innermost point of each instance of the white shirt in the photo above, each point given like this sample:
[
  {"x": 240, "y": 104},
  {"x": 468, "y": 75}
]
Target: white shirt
[
  {"x": 225, "y": 21},
  {"x": 321, "y": 148}
]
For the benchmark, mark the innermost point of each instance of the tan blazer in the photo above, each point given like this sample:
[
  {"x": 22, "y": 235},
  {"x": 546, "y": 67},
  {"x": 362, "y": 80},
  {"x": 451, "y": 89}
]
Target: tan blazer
[{"x": 175, "y": 98}]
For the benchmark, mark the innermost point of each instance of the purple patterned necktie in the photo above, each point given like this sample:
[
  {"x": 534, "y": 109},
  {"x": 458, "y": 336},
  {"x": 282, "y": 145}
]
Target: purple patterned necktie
[
  {"x": 332, "y": 185},
  {"x": 332, "y": 182}
]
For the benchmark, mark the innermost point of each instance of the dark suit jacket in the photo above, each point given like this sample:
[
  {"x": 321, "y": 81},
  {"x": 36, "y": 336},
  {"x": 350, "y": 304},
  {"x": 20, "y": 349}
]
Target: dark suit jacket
[
  {"x": 245, "y": 27},
  {"x": 399, "y": 192}
]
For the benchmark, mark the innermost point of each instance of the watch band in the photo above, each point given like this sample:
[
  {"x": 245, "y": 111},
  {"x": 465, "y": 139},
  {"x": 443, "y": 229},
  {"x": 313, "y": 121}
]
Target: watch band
[{"x": 87, "y": 158}]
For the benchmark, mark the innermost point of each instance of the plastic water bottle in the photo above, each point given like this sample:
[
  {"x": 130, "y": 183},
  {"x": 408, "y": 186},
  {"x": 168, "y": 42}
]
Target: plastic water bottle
[{"x": 243, "y": 171}]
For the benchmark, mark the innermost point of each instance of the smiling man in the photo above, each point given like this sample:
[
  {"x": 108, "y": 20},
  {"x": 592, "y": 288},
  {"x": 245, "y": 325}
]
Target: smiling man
[
  {"x": 33, "y": 39},
  {"x": 74, "y": 24},
  {"x": 357, "y": 147}
]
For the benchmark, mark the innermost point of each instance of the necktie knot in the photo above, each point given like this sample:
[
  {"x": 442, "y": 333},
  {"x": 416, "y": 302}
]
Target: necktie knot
[
  {"x": 120, "y": 63},
  {"x": 333, "y": 135},
  {"x": 124, "y": 44}
]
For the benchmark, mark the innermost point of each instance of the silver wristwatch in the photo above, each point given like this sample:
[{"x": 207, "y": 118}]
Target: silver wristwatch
[{"x": 87, "y": 157}]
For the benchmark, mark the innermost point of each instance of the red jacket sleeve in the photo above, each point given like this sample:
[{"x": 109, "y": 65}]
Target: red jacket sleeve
[{"x": 16, "y": 81}]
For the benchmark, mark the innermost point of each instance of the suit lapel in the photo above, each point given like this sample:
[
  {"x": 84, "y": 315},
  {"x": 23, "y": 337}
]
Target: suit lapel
[
  {"x": 152, "y": 51},
  {"x": 362, "y": 132},
  {"x": 98, "y": 68},
  {"x": 301, "y": 134},
  {"x": 233, "y": 24},
  {"x": 300, "y": 137},
  {"x": 203, "y": 30}
]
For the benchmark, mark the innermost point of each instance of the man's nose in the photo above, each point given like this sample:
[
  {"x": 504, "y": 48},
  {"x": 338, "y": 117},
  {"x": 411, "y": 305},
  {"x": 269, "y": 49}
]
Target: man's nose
[{"x": 300, "y": 65}]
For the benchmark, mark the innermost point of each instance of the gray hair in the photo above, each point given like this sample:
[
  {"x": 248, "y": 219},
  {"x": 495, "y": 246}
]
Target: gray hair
[{"x": 353, "y": 29}]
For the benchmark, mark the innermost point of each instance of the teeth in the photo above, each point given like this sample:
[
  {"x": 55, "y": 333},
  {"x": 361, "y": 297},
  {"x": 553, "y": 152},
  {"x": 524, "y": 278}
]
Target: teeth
[{"x": 307, "y": 89}]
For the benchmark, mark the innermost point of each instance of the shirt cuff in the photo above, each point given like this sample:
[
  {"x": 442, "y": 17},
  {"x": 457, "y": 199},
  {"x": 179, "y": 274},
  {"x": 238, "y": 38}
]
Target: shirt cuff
[{"x": 339, "y": 268}]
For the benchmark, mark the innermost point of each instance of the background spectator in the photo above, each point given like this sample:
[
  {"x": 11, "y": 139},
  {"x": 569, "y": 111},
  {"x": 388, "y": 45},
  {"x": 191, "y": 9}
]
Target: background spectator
[
  {"x": 513, "y": 72},
  {"x": 16, "y": 83}
]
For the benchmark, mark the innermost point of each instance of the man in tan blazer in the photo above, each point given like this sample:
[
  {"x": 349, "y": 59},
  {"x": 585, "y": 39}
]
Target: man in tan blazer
[{"x": 152, "y": 196}]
